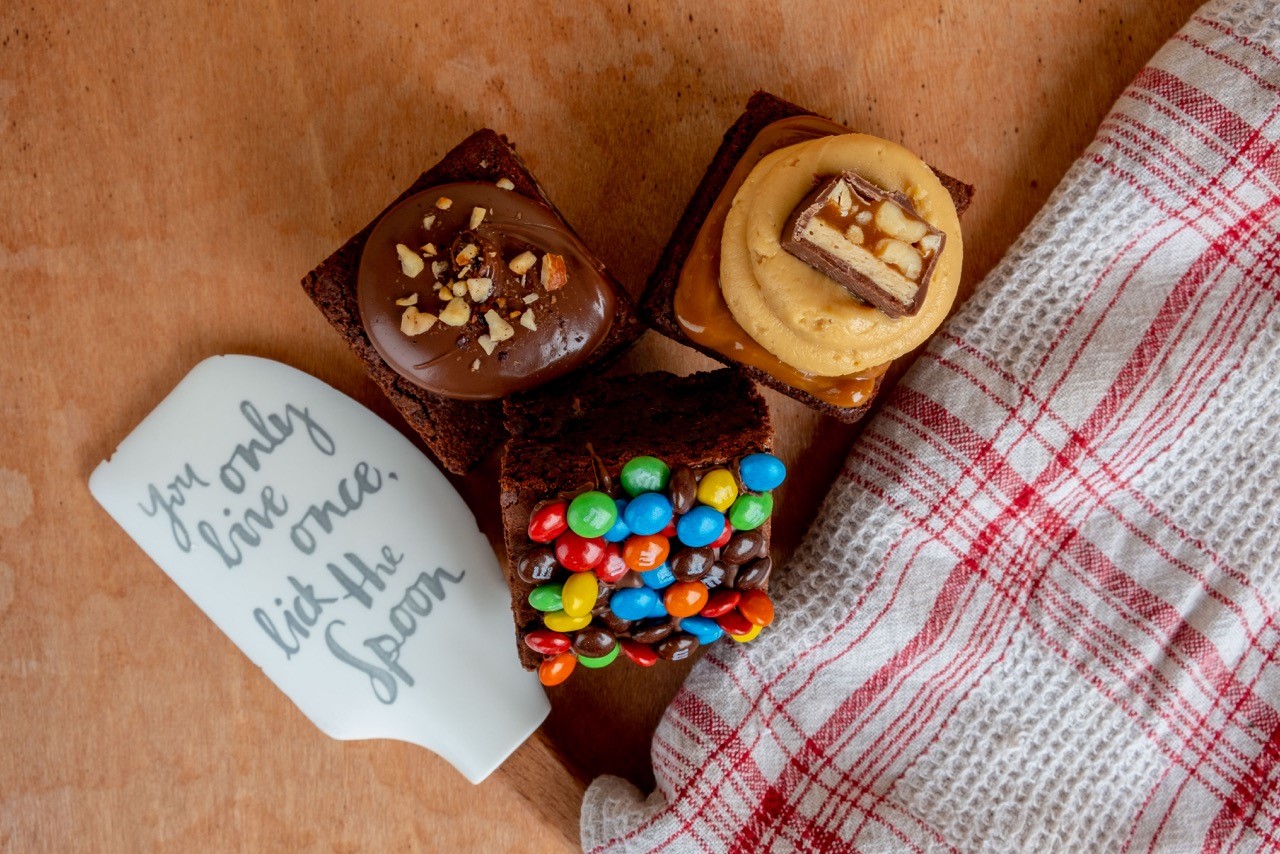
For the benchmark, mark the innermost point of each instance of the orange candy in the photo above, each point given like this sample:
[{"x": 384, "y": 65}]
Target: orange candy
[
  {"x": 685, "y": 598},
  {"x": 756, "y": 606},
  {"x": 556, "y": 669},
  {"x": 643, "y": 553}
]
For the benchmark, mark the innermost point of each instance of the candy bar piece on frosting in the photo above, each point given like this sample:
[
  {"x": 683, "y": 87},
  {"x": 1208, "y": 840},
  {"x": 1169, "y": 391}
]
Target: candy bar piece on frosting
[{"x": 872, "y": 243}]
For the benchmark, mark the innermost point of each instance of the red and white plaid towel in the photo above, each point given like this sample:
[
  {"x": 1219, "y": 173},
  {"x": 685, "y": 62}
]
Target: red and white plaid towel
[{"x": 1038, "y": 610}]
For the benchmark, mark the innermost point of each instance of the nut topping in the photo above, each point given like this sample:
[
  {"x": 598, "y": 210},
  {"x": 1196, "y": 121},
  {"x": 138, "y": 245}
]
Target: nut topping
[
  {"x": 505, "y": 184},
  {"x": 414, "y": 322},
  {"x": 428, "y": 221},
  {"x": 410, "y": 264},
  {"x": 527, "y": 320},
  {"x": 480, "y": 289},
  {"x": 522, "y": 263},
  {"x": 467, "y": 255},
  {"x": 487, "y": 344},
  {"x": 477, "y": 217},
  {"x": 456, "y": 313},
  {"x": 499, "y": 329},
  {"x": 444, "y": 203},
  {"x": 555, "y": 273},
  {"x": 412, "y": 299}
]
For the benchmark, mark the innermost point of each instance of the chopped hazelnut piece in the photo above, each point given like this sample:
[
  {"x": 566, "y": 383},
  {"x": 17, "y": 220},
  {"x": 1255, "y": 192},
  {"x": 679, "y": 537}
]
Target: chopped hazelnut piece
[
  {"x": 475, "y": 366},
  {"x": 410, "y": 264},
  {"x": 499, "y": 329},
  {"x": 528, "y": 322},
  {"x": 414, "y": 322},
  {"x": 438, "y": 268},
  {"x": 487, "y": 344},
  {"x": 480, "y": 289},
  {"x": 530, "y": 299},
  {"x": 429, "y": 249},
  {"x": 522, "y": 263},
  {"x": 505, "y": 184},
  {"x": 456, "y": 313},
  {"x": 459, "y": 289},
  {"x": 412, "y": 299},
  {"x": 428, "y": 221},
  {"x": 555, "y": 273},
  {"x": 444, "y": 203},
  {"x": 477, "y": 217},
  {"x": 467, "y": 254}
]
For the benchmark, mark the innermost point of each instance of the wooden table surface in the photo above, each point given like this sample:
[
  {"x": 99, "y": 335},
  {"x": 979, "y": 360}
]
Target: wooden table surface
[{"x": 170, "y": 170}]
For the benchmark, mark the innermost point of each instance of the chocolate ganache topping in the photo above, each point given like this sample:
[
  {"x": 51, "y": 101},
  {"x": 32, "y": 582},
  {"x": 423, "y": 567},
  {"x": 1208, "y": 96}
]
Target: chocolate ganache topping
[{"x": 474, "y": 292}]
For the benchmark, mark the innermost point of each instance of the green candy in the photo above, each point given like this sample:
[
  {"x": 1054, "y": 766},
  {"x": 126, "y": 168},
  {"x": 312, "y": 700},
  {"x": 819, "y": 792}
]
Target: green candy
[
  {"x": 750, "y": 511},
  {"x": 603, "y": 661},
  {"x": 592, "y": 514},
  {"x": 546, "y": 597},
  {"x": 645, "y": 474}
]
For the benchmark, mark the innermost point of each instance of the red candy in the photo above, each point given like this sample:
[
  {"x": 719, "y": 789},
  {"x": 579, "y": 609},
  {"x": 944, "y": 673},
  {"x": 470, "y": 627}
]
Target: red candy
[
  {"x": 555, "y": 670},
  {"x": 549, "y": 521},
  {"x": 613, "y": 567},
  {"x": 685, "y": 598},
  {"x": 734, "y": 623},
  {"x": 721, "y": 603},
  {"x": 757, "y": 607},
  {"x": 669, "y": 531},
  {"x": 548, "y": 642},
  {"x": 638, "y": 652},
  {"x": 724, "y": 535},
  {"x": 645, "y": 553},
  {"x": 579, "y": 554}
]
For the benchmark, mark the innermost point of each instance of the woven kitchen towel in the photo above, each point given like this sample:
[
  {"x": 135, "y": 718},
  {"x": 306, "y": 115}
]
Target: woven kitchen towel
[{"x": 1038, "y": 609}]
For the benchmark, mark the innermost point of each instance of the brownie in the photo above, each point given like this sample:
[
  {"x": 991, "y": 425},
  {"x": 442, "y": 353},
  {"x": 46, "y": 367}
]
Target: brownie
[
  {"x": 458, "y": 432},
  {"x": 657, "y": 304},
  {"x": 560, "y": 442}
]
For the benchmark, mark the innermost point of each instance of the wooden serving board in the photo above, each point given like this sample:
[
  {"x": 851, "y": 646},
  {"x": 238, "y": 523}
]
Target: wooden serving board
[{"x": 171, "y": 170}]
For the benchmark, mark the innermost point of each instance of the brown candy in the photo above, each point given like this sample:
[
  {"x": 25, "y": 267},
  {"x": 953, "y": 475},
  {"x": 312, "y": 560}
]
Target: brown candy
[
  {"x": 691, "y": 564},
  {"x": 678, "y": 647},
  {"x": 631, "y": 579},
  {"x": 754, "y": 576},
  {"x": 593, "y": 642},
  {"x": 743, "y": 546},
  {"x": 720, "y": 575},
  {"x": 537, "y": 565},
  {"x": 616, "y": 624},
  {"x": 684, "y": 489},
  {"x": 651, "y": 631}
]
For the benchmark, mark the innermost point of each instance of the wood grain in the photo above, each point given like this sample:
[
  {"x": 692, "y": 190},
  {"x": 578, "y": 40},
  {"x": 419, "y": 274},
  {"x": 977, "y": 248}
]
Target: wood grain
[{"x": 171, "y": 170}]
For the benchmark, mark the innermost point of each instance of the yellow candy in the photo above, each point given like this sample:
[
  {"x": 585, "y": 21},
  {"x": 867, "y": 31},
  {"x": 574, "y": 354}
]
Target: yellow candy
[
  {"x": 718, "y": 489},
  {"x": 751, "y": 635},
  {"x": 559, "y": 621},
  {"x": 579, "y": 594}
]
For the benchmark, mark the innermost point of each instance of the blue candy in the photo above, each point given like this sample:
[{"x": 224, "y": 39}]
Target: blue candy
[
  {"x": 633, "y": 603},
  {"x": 658, "y": 577},
  {"x": 700, "y": 526},
  {"x": 659, "y": 609},
  {"x": 619, "y": 531},
  {"x": 648, "y": 513},
  {"x": 762, "y": 472},
  {"x": 705, "y": 630}
]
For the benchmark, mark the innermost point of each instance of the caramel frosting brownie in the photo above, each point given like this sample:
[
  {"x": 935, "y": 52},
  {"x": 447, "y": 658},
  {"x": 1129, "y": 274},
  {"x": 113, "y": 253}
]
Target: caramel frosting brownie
[
  {"x": 812, "y": 256},
  {"x": 471, "y": 287}
]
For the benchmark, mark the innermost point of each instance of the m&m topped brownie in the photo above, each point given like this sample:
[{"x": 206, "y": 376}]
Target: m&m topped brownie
[{"x": 637, "y": 518}]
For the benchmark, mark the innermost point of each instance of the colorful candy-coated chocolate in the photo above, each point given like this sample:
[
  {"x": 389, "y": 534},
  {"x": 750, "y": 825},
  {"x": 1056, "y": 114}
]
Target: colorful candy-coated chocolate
[
  {"x": 640, "y": 655},
  {"x": 685, "y": 598},
  {"x": 603, "y": 661},
  {"x": 762, "y": 472},
  {"x": 718, "y": 489},
  {"x": 592, "y": 514},
  {"x": 633, "y": 603},
  {"x": 619, "y": 531},
  {"x": 616, "y": 624},
  {"x": 659, "y": 610},
  {"x": 594, "y": 642},
  {"x": 536, "y": 566},
  {"x": 644, "y": 474},
  {"x": 706, "y": 631},
  {"x": 648, "y": 513},
  {"x": 612, "y": 567},
  {"x": 658, "y": 578},
  {"x": 749, "y": 636},
  {"x": 547, "y": 642},
  {"x": 683, "y": 489},
  {"x": 700, "y": 526},
  {"x": 678, "y": 646},
  {"x": 578, "y": 594},
  {"x": 725, "y": 533},
  {"x": 555, "y": 670},
  {"x": 743, "y": 546},
  {"x": 670, "y": 531},
  {"x": 719, "y": 575},
  {"x": 579, "y": 553},
  {"x": 755, "y": 575},
  {"x": 548, "y": 521},
  {"x": 652, "y": 631},
  {"x": 559, "y": 621},
  {"x": 546, "y": 597},
  {"x": 720, "y": 603},
  {"x": 734, "y": 623},
  {"x": 643, "y": 553},
  {"x": 692, "y": 564},
  {"x": 757, "y": 607},
  {"x": 750, "y": 511}
]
